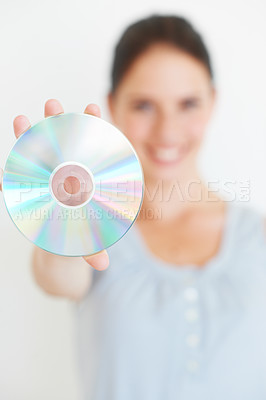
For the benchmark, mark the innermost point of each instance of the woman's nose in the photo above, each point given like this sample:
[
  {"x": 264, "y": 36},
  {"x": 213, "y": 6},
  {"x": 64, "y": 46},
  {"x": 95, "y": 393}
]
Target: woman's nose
[{"x": 167, "y": 129}]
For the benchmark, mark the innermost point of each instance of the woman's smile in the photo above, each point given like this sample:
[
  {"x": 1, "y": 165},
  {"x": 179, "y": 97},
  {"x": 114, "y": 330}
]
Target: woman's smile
[{"x": 165, "y": 155}]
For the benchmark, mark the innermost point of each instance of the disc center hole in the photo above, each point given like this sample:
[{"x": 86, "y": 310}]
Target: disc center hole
[{"x": 72, "y": 185}]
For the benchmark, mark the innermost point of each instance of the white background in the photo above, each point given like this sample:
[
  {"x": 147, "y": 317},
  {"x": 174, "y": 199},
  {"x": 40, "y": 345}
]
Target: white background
[{"x": 63, "y": 49}]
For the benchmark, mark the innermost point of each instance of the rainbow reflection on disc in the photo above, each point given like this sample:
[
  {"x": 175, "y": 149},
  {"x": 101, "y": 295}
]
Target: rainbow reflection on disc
[{"x": 73, "y": 184}]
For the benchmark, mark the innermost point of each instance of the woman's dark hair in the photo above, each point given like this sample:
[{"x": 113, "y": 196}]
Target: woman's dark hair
[{"x": 172, "y": 30}]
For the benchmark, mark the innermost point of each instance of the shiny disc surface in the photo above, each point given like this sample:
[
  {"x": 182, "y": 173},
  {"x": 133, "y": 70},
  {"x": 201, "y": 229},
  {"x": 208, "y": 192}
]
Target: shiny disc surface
[{"x": 83, "y": 218}]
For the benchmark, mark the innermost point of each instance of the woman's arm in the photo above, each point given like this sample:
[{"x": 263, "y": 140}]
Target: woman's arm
[{"x": 69, "y": 277}]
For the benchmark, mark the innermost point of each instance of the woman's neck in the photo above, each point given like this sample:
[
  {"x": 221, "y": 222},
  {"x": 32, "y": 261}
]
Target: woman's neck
[{"x": 169, "y": 199}]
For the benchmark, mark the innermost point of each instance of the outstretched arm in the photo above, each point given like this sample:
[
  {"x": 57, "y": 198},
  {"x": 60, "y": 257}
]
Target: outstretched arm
[{"x": 68, "y": 277}]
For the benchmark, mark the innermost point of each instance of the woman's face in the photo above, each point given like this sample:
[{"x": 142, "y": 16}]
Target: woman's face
[{"x": 163, "y": 104}]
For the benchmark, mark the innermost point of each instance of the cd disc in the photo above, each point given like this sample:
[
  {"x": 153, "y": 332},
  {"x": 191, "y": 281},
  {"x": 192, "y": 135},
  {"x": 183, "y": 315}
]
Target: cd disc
[{"x": 73, "y": 184}]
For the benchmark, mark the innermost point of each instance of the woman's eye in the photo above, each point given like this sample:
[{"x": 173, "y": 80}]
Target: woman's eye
[
  {"x": 191, "y": 103},
  {"x": 143, "y": 105}
]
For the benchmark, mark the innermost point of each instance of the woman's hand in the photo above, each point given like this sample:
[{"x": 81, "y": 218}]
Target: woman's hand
[{"x": 58, "y": 275}]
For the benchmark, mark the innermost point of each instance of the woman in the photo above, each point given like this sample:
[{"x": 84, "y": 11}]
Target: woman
[{"x": 179, "y": 314}]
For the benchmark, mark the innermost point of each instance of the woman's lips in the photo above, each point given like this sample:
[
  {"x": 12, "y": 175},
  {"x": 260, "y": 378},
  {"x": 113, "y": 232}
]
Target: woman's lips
[{"x": 165, "y": 155}]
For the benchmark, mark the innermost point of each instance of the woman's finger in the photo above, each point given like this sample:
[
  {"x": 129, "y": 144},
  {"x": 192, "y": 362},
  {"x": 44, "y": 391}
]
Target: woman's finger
[
  {"x": 99, "y": 261},
  {"x": 21, "y": 124},
  {"x": 93, "y": 109},
  {"x": 52, "y": 107}
]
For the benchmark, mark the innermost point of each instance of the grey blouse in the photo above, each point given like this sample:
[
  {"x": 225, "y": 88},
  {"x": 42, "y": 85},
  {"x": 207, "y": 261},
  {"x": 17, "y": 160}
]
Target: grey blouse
[{"x": 148, "y": 330}]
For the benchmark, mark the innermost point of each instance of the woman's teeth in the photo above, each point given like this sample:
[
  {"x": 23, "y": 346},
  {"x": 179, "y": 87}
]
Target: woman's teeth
[{"x": 166, "y": 155}]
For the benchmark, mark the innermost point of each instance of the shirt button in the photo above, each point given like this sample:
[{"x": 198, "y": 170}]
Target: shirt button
[
  {"x": 191, "y": 294},
  {"x": 192, "y": 340},
  {"x": 192, "y": 366},
  {"x": 191, "y": 315}
]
